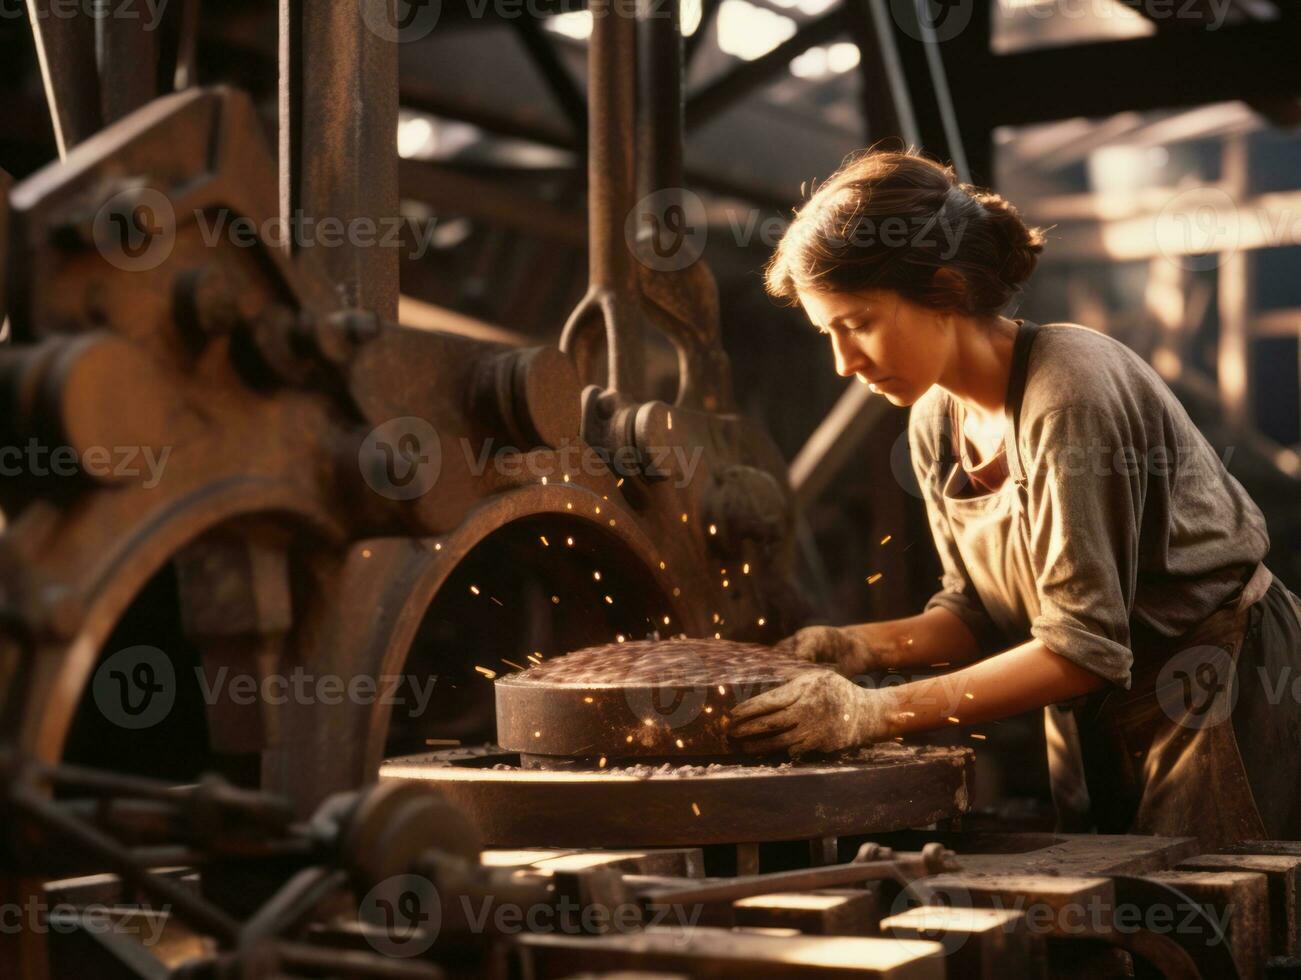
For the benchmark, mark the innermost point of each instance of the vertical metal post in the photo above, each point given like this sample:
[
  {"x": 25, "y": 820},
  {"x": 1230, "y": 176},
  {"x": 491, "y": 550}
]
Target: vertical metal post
[
  {"x": 338, "y": 146},
  {"x": 612, "y": 294}
]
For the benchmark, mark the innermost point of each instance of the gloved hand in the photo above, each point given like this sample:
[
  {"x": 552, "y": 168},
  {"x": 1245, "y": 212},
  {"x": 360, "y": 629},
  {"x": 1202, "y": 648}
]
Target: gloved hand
[
  {"x": 848, "y": 652},
  {"x": 818, "y": 711}
]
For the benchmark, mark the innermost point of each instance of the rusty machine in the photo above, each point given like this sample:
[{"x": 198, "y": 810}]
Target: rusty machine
[{"x": 263, "y": 538}]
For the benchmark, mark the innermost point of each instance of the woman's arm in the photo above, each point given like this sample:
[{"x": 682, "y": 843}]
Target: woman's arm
[
  {"x": 1005, "y": 684},
  {"x": 936, "y": 636},
  {"x": 822, "y": 711}
]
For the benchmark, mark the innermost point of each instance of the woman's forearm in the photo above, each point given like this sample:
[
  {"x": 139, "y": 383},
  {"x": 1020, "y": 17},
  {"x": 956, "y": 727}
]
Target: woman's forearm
[
  {"x": 930, "y": 638},
  {"x": 1005, "y": 684}
]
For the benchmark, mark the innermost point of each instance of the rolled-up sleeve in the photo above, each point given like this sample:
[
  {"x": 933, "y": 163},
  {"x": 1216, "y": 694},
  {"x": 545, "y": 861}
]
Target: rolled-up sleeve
[
  {"x": 1085, "y": 498},
  {"x": 956, "y": 594}
]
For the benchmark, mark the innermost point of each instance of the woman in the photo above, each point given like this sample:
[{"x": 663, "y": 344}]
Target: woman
[{"x": 1097, "y": 556}]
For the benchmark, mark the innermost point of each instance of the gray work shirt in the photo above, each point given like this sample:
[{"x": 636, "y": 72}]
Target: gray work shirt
[{"x": 1119, "y": 520}]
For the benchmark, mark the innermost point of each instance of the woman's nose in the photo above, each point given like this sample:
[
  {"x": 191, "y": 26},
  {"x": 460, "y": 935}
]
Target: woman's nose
[{"x": 849, "y": 357}]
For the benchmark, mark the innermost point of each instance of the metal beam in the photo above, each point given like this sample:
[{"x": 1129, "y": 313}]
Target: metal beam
[
  {"x": 734, "y": 86},
  {"x": 1256, "y": 60},
  {"x": 338, "y": 141},
  {"x": 65, "y": 46}
]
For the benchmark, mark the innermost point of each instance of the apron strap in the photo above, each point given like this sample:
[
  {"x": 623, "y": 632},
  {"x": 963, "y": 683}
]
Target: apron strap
[{"x": 1015, "y": 395}]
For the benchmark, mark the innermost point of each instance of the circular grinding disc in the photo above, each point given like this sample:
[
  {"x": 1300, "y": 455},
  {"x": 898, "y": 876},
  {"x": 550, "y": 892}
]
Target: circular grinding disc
[{"x": 670, "y": 698}]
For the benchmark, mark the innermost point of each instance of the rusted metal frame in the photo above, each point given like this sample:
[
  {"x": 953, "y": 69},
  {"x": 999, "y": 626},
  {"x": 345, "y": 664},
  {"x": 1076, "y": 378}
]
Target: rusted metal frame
[
  {"x": 560, "y": 82},
  {"x": 338, "y": 125},
  {"x": 65, "y": 47},
  {"x": 612, "y": 296},
  {"x": 720, "y": 95}
]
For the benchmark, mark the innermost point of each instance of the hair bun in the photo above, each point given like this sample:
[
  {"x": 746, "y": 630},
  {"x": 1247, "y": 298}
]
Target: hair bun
[{"x": 1020, "y": 243}]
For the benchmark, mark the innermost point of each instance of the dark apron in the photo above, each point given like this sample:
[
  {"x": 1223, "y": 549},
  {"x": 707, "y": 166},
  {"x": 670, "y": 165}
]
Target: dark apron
[{"x": 1159, "y": 758}]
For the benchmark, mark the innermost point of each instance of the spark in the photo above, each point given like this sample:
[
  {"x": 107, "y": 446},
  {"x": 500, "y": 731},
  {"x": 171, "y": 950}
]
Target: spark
[
  {"x": 875, "y": 577},
  {"x": 620, "y": 483},
  {"x": 715, "y": 617},
  {"x": 628, "y": 739},
  {"x": 512, "y": 663},
  {"x": 745, "y": 569},
  {"x": 676, "y": 592},
  {"x": 569, "y": 505},
  {"x": 555, "y": 600},
  {"x": 612, "y": 522},
  {"x": 598, "y": 508},
  {"x": 537, "y": 734},
  {"x": 846, "y": 716},
  {"x": 566, "y": 477},
  {"x": 588, "y": 699},
  {"x": 365, "y": 552},
  {"x": 569, "y": 541},
  {"x": 663, "y": 566},
  {"x": 474, "y": 589},
  {"x": 713, "y": 529},
  {"x": 680, "y": 744},
  {"x": 596, "y": 575},
  {"x": 722, "y": 689},
  {"x": 609, "y": 601},
  {"x": 907, "y": 714},
  {"x": 438, "y": 546},
  {"x": 648, "y": 721},
  {"x": 600, "y": 763},
  {"x": 695, "y": 808},
  {"x": 762, "y": 620},
  {"x": 969, "y": 696},
  {"x": 669, "y": 416},
  {"x": 605, "y": 496},
  {"x": 886, "y": 539},
  {"x": 954, "y": 719},
  {"x": 498, "y": 601},
  {"x": 545, "y": 542},
  {"x": 684, "y": 518},
  {"x": 620, "y": 637},
  {"x": 487, "y": 672},
  {"x": 544, "y": 481},
  {"x": 942, "y": 663},
  {"x": 709, "y": 709},
  {"x": 979, "y": 736},
  {"x": 724, "y": 583},
  {"x": 718, "y": 636},
  {"x": 908, "y": 642}
]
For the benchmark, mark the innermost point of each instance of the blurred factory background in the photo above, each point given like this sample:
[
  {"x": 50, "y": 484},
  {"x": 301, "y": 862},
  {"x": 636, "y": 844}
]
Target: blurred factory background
[{"x": 1157, "y": 143}]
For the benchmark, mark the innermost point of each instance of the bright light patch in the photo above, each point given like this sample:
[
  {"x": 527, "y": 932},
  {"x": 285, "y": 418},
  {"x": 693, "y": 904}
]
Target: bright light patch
[{"x": 749, "y": 32}]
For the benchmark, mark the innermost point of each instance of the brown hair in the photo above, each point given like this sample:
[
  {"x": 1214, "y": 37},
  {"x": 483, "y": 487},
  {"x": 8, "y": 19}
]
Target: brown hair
[{"x": 891, "y": 220}]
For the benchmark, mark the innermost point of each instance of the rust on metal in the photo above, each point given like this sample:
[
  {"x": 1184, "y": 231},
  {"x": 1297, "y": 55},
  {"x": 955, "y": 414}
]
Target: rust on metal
[{"x": 670, "y": 698}]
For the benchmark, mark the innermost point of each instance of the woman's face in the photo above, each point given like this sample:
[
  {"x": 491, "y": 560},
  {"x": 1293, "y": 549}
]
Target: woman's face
[{"x": 896, "y": 347}]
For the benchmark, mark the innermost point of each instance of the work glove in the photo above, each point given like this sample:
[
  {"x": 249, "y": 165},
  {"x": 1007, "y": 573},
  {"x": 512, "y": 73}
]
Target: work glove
[
  {"x": 847, "y": 652},
  {"x": 818, "y": 711}
]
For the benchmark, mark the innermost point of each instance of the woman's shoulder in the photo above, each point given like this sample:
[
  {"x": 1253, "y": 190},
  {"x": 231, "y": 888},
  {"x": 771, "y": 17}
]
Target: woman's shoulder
[{"x": 1075, "y": 367}]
